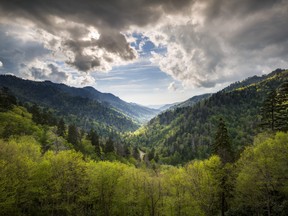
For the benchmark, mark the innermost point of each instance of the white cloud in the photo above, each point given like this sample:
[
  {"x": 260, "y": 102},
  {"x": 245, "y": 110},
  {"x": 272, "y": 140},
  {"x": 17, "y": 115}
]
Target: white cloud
[
  {"x": 1, "y": 64},
  {"x": 172, "y": 86},
  {"x": 211, "y": 47},
  {"x": 207, "y": 42}
]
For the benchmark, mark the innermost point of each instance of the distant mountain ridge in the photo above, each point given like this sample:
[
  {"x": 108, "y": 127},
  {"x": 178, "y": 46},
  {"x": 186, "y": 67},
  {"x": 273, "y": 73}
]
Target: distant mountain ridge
[
  {"x": 191, "y": 101},
  {"x": 133, "y": 110},
  {"x": 82, "y": 103},
  {"x": 138, "y": 113},
  {"x": 162, "y": 107}
]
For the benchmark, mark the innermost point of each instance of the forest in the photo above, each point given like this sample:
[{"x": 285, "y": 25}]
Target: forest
[{"x": 198, "y": 160}]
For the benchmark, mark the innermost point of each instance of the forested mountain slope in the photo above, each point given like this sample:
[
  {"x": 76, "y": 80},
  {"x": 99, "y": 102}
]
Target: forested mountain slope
[
  {"x": 137, "y": 112},
  {"x": 85, "y": 106},
  {"x": 47, "y": 168},
  {"x": 35, "y": 91},
  {"x": 191, "y": 101},
  {"x": 186, "y": 133}
]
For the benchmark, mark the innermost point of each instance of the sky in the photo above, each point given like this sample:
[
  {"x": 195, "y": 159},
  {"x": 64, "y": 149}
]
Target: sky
[{"x": 144, "y": 51}]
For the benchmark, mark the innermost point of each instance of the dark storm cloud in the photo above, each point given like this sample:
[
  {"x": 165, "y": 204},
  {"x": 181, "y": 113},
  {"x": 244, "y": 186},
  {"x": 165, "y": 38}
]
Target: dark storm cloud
[
  {"x": 113, "y": 43},
  {"x": 116, "y": 43},
  {"x": 81, "y": 61},
  {"x": 269, "y": 29},
  {"x": 109, "y": 17},
  {"x": 219, "y": 37},
  {"x": 222, "y": 8},
  {"x": 232, "y": 40},
  {"x": 116, "y": 14},
  {"x": 249, "y": 25}
]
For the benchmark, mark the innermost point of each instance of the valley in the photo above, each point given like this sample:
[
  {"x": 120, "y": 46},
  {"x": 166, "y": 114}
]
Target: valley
[
  {"x": 74, "y": 150},
  {"x": 143, "y": 108}
]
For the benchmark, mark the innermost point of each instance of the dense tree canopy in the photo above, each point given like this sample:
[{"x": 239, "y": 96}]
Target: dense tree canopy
[
  {"x": 64, "y": 183},
  {"x": 46, "y": 169},
  {"x": 7, "y": 99}
]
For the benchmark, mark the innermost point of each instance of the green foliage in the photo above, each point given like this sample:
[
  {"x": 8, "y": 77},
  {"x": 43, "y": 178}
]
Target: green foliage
[
  {"x": 103, "y": 182},
  {"x": 42, "y": 116},
  {"x": 151, "y": 154},
  {"x": 17, "y": 160},
  {"x": 275, "y": 109},
  {"x": 262, "y": 179},
  {"x": 78, "y": 106},
  {"x": 17, "y": 122},
  {"x": 74, "y": 136},
  {"x": 269, "y": 110},
  {"x": 189, "y": 132},
  {"x": 61, "y": 128},
  {"x": 7, "y": 99},
  {"x": 222, "y": 144},
  {"x": 94, "y": 138},
  {"x": 64, "y": 183},
  {"x": 42, "y": 174},
  {"x": 109, "y": 146},
  {"x": 282, "y": 107},
  {"x": 204, "y": 184}
]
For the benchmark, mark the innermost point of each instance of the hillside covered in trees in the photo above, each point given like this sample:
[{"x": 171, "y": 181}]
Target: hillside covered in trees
[
  {"x": 230, "y": 150},
  {"x": 86, "y": 107},
  {"x": 64, "y": 183},
  {"x": 182, "y": 134}
]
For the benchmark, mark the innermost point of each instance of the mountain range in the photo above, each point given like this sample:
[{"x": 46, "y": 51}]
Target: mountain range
[
  {"x": 190, "y": 102},
  {"x": 177, "y": 132},
  {"x": 85, "y": 105}
]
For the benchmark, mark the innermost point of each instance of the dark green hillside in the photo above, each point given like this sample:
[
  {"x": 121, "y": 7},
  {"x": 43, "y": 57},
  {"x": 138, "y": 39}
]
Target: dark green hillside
[
  {"x": 76, "y": 104},
  {"x": 186, "y": 133},
  {"x": 36, "y": 90},
  {"x": 191, "y": 101},
  {"x": 54, "y": 134}
]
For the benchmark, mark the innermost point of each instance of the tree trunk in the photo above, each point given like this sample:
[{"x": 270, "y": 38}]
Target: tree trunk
[{"x": 223, "y": 204}]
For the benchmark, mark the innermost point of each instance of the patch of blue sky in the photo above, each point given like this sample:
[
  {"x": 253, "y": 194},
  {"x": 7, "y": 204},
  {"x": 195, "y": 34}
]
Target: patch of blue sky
[
  {"x": 140, "y": 81},
  {"x": 141, "y": 73},
  {"x": 144, "y": 46},
  {"x": 60, "y": 63}
]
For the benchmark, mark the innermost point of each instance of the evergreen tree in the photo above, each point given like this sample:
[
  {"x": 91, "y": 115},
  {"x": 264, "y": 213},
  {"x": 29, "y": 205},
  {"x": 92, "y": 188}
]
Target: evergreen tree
[
  {"x": 109, "y": 147},
  {"x": 8, "y": 131},
  {"x": 61, "y": 128},
  {"x": 222, "y": 144},
  {"x": 73, "y": 136},
  {"x": 47, "y": 117},
  {"x": 282, "y": 107},
  {"x": 136, "y": 154},
  {"x": 44, "y": 139},
  {"x": 156, "y": 158},
  {"x": 93, "y": 136},
  {"x": 222, "y": 148},
  {"x": 274, "y": 110},
  {"x": 269, "y": 111},
  {"x": 36, "y": 114},
  {"x": 7, "y": 99},
  {"x": 151, "y": 154},
  {"x": 126, "y": 150}
]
